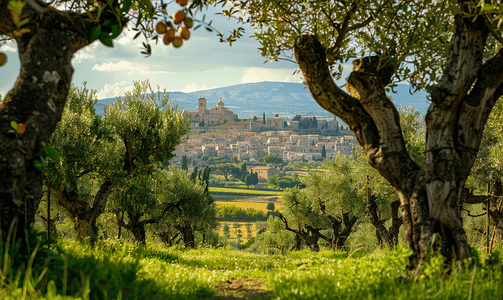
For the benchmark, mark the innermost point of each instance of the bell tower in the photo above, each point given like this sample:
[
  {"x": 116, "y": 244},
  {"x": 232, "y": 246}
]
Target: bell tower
[{"x": 201, "y": 106}]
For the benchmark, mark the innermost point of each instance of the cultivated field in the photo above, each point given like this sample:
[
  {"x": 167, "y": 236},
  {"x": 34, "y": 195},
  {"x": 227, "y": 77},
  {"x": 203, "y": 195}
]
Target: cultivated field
[
  {"x": 248, "y": 229},
  {"x": 254, "y": 203}
]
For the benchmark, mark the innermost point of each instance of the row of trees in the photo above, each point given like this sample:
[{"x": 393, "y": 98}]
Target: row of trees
[
  {"x": 239, "y": 214},
  {"x": 350, "y": 192},
  {"x": 119, "y": 161}
]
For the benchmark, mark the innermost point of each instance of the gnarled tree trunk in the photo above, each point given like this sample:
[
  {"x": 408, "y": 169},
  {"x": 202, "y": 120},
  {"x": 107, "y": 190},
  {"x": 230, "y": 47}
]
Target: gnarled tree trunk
[
  {"x": 83, "y": 215},
  {"x": 461, "y": 103},
  {"x": 36, "y": 100},
  {"x": 187, "y": 231},
  {"x": 136, "y": 226},
  {"x": 310, "y": 235}
]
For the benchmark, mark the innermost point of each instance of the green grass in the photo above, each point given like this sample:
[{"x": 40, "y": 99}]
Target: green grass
[
  {"x": 114, "y": 270},
  {"x": 244, "y": 191}
]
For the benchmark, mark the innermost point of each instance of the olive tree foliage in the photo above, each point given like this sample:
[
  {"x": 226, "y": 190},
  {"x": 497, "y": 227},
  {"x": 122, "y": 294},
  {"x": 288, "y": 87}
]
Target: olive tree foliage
[
  {"x": 274, "y": 240},
  {"x": 488, "y": 169},
  {"x": 328, "y": 208},
  {"x": 189, "y": 207},
  {"x": 90, "y": 161},
  {"x": 135, "y": 137},
  {"x": 452, "y": 49},
  {"x": 48, "y": 34}
]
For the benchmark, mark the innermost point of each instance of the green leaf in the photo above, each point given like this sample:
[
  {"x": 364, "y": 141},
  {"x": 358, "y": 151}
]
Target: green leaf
[
  {"x": 126, "y": 5},
  {"x": 16, "y": 6},
  {"x": 38, "y": 165},
  {"x": 23, "y": 21},
  {"x": 149, "y": 8},
  {"x": 52, "y": 153},
  {"x": 13, "y": 124},
  {"x": 116, "y": 31},
  {"x": 109, "y": 22},
  {"x": 107, "y": 41},
  {"x": 488, "y": 7},
  {"x": 95, "y": 33}
]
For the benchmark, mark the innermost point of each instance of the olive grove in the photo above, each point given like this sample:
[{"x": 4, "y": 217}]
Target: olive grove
[{"x": 452, "y": 49}]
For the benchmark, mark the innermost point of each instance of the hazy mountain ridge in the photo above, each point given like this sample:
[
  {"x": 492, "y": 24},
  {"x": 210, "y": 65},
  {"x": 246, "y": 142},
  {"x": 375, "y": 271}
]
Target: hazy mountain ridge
[{"x": 283, "y": 98}]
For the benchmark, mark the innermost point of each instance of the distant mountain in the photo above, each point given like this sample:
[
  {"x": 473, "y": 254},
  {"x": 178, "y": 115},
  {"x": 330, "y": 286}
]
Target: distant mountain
[{"x": 283, "y": 98}]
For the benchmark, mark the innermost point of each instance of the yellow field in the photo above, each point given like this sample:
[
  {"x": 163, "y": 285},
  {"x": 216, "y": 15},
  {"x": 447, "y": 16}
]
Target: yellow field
[{"x": 246, "y": 204}]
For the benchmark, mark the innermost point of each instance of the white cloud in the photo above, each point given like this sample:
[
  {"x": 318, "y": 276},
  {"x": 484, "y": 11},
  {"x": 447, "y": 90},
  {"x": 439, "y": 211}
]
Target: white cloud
[
  {"x": 115, "y": 90},
  {"x": 10, "y": 46},
  {"x": 192, "y": 87},
  {"x": 129, "y": 67},
  {"x": 85, "y": 54},
  {"x": 251, "y": 75}
]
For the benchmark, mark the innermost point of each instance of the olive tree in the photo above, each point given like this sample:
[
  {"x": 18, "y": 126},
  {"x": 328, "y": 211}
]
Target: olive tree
[
  {"x": 449, "y": 48},
  {"x": 90, "y": 161},
  {"x": 48, "y": 34},
  {"x": 136, "y": 136},
  {"x": 187, "y": 204},
  {"x": 328, "y": 208}
]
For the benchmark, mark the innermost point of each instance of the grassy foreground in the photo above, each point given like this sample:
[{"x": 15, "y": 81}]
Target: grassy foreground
[{"x": 115, "y": 270}]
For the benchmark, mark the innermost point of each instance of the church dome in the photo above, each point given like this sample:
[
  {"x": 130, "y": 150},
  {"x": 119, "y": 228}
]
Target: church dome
[{"x": 220, "y": 103}]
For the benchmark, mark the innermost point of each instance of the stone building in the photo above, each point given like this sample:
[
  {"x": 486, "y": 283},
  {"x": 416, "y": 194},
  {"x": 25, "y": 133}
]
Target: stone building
[{"x": 214, "y": 116}]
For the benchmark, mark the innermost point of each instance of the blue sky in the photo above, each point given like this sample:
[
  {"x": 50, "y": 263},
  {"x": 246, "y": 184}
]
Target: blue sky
[{"x": 201, "y": 63}]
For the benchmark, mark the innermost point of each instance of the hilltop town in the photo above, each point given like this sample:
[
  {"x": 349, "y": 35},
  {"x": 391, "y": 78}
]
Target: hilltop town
[{"x": 218, "y": 132}]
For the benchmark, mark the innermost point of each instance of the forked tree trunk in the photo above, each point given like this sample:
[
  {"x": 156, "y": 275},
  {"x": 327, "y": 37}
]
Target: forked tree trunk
[
  {"x": 310, "y": 235},
  {"x": 461, "y": 103},
  {"x": 187, "y": 231},
  {"x": 390, "y": 235},
  {"x": 83, "y": 215},
  {"x": 135, "y": 226}
]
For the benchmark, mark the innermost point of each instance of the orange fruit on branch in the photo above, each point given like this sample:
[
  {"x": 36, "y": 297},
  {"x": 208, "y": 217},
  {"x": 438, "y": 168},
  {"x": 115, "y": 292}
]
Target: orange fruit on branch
[
  {"x": 3, "y": 59},
  {"x": 178, "y": 16},
  {"x": 21, "y": 128},
  {"x": 161, "y": 27},
  {"x": 166, "y": 39},
  {"x": 171, "y": 34},
  {"x": 182, "y": 3},
  {"x": 184, "y": 33}
]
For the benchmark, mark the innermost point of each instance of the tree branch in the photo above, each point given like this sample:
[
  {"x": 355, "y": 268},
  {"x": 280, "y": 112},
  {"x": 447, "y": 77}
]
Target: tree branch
[{"x": 374, "y": 119}]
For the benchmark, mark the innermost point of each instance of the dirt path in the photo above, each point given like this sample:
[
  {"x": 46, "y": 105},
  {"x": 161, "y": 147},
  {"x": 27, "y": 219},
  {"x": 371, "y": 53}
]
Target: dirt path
[{"x": 243, "y": 288}]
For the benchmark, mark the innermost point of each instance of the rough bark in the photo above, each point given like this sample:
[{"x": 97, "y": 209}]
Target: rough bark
[
  {"x": 83, "y": 215},
  {"x": 461, "y": 103},
  {"x": 36, "y": 100}
]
